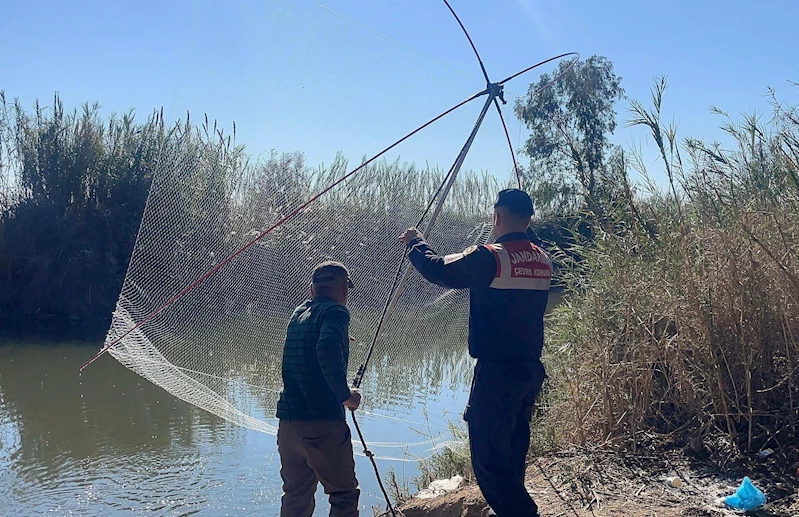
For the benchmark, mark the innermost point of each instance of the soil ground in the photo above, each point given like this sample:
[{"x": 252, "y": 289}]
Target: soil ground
[{"x": 604, "y": 484}]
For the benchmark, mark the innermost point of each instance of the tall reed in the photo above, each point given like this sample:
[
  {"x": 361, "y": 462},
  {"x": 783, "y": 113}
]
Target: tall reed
[{"x": 682, "y": 315}]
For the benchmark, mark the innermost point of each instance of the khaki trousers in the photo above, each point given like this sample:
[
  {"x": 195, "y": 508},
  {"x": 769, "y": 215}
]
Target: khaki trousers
[{"x": 317, "y": 451}]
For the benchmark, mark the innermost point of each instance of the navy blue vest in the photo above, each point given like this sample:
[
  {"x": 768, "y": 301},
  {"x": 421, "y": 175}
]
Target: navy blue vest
[{"x": 506, "y": 319}]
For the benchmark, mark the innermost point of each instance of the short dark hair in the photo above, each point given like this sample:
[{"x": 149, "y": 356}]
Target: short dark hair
[
  {"x": 331, "y": 271},
  {"x": 515, "y": 201}
]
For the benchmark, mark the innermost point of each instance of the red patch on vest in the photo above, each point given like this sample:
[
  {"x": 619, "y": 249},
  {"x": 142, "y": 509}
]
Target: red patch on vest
[
  {"x": 496, "y": 259},
  {"x": 527, "y": 260}
]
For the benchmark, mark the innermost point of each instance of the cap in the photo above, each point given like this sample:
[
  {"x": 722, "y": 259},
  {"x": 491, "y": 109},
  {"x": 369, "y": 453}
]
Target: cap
[
  {"x": 330, "y": 271},
  {"x": 516, "y": 201}
]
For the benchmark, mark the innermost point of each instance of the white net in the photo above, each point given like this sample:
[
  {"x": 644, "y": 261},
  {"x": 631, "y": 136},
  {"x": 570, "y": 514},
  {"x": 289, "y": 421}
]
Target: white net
[
  {"x": 219, "y": 345},
  {"x": 216, "y": 340}
]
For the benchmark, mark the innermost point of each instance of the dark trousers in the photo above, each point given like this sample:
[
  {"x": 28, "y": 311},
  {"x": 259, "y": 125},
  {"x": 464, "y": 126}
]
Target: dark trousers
[
  {"x": 317, "y": 451},
  {"x": 498, "y": 416}
]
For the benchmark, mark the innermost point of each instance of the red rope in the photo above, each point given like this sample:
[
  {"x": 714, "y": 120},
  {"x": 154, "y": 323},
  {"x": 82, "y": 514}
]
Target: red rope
[
  {"x": 296, "y": 211},
  {"x": 216, "y": 268}
]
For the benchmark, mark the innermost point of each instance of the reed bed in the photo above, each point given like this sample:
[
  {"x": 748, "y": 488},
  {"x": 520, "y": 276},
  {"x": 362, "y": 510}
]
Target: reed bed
[{"x": 681, "y": 314}]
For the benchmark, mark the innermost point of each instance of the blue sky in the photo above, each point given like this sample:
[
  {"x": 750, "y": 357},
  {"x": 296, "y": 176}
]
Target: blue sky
[{"x": 353, "y": 75}]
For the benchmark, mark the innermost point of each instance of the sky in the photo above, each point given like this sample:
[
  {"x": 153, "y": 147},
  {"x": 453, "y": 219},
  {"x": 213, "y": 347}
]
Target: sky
[{"x": 355, "y": 75}]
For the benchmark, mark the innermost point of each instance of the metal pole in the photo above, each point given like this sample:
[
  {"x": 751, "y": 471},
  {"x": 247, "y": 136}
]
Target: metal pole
[{"x": 493, "y": 91}]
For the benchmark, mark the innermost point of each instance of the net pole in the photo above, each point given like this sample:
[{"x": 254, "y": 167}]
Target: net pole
[
  {"x": 557, "y": 77},
  {"x": 493, "y": 90},
  {"x": 269, "y": 230}
]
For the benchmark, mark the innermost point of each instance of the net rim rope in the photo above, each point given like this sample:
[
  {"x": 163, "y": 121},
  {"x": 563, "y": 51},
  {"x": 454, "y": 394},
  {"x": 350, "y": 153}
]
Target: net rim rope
[{"x": 310, "y": 201}]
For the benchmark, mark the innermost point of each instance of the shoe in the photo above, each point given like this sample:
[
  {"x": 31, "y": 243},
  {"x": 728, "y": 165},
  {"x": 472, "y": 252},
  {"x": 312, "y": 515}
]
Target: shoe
[{"x": 492, "y": 512}]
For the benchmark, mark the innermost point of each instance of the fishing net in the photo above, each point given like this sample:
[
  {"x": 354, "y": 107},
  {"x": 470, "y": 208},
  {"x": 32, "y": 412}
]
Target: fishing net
[
  {"x": 205, "y": 303},
  {"x": 219, "y": 345}
]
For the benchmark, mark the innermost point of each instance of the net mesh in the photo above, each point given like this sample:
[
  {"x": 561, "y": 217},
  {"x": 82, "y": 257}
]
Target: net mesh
[
  {"x": 269, "y": 65},
  {"x": 219, "y": 345}
]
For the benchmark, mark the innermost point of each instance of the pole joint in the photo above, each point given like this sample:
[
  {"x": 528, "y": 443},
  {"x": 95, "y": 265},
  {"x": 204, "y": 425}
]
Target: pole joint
[{"x": 496, "y": 90}]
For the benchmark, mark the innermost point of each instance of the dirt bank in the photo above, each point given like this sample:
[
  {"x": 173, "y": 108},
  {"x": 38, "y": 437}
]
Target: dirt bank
[{"x": 597, "y": 484}]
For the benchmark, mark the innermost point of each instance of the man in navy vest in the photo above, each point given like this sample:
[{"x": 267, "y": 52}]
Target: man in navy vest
[{"x": 508, "y": 284}]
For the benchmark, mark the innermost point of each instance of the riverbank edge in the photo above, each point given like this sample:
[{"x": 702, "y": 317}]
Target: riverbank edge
[{"x": 605, "y": 483}]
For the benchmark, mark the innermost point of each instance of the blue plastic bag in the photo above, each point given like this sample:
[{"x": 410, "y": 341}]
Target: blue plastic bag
[{"x": 747, "y": 497}]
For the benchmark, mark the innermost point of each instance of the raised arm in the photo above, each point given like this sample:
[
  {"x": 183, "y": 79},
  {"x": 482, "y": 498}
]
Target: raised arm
[{"x": 473, "y": 267}]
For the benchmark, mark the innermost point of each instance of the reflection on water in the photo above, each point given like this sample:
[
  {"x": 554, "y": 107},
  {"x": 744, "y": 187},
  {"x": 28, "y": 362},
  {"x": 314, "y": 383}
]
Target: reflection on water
[{"x": 108, "y": 442}]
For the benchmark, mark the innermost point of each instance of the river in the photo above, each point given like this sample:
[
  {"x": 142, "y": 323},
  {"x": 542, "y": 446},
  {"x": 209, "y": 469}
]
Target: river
[{"x": 107, "y": 442}]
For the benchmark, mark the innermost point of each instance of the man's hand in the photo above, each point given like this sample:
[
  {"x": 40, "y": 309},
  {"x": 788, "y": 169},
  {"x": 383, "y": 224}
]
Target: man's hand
[
  {"x": 409, "y": 235},
  {"x": 354, "y": 401}
]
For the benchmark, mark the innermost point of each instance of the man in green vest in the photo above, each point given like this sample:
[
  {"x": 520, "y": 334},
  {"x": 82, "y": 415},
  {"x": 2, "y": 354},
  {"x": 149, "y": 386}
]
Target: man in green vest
[{"x": 313, "y": 438}]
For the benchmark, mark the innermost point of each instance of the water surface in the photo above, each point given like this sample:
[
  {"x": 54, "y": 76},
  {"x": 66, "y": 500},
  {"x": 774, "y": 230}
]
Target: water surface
[{"x": 107, "y": 442}]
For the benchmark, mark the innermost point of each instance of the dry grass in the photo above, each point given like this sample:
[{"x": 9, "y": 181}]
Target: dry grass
[{"x": 681, "y": 316}]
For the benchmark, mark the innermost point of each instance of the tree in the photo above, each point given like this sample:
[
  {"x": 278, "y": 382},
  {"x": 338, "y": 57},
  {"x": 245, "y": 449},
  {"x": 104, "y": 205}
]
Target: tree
[
  {"x": 74, "y": 187},
  {"x": 570, "y": 122}
]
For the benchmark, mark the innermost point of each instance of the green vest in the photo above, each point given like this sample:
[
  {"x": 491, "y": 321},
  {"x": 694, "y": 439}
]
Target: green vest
[{"x": 315, "y": 358}]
